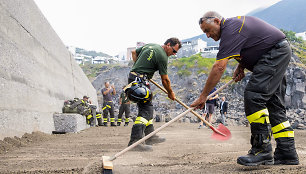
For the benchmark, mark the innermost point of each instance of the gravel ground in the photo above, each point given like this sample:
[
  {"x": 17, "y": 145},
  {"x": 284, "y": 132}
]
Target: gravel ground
[{"x": 187, "y": 150}]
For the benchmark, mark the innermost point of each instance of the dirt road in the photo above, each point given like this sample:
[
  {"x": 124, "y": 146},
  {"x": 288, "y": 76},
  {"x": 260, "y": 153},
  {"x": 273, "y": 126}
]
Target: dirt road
[{"x": 187, "y": 150}]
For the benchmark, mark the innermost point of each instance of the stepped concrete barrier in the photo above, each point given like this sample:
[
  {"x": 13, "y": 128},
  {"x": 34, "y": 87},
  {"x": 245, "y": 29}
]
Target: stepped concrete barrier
[
  {"x": 37, "y": 72},
  {"x": 65, "y": 123}
]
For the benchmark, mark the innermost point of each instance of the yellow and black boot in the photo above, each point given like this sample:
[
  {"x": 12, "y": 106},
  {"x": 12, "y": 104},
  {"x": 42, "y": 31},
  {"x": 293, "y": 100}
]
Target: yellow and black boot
[
  {"x": 285, "y": 152},
  {"x": 261, "y": 151},
  {"x": 119, "y": 122},
  {"x": 105, "y": 122},
  {"x": 154, "y": 139},
  {"x": 126, "y": 122},
  {"x": 136, "y": 134},
  {"x": 113, "y": 122}
]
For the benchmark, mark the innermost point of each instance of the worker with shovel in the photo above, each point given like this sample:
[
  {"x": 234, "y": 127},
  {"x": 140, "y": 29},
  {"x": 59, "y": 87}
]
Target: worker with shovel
[
  {"x": 264, "y": 50},
  {"x": 148, "y": 59}
]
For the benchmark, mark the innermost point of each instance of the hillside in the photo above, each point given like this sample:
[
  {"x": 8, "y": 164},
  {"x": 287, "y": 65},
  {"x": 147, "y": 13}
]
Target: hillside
[
  {"x": 286, "y": 14},
  {"x": 91, "y": 53}
]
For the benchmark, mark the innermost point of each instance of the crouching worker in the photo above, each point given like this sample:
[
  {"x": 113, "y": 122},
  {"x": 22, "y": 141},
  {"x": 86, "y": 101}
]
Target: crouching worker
[
  {"x": 84, "y": 108},
  {"x": 148, "y": 59}
]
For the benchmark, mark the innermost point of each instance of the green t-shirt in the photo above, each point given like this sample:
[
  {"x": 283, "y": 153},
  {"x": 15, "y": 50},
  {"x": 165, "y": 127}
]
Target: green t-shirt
[
  {"x": 151, "y": 57},
  {"x": 124, "y": 98}
]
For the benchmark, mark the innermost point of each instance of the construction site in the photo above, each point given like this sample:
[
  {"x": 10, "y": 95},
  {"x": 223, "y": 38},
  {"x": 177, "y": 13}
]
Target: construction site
[
  {"x": 38, "y": 74},
  {"x": 186, "y": 150}
]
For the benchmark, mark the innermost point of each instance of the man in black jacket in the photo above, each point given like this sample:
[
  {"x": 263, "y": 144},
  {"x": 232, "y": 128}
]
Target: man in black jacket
[{"x": 223, "y": 109}]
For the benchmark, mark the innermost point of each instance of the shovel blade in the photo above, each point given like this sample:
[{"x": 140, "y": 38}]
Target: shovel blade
[{"x": 226, "y": 133}]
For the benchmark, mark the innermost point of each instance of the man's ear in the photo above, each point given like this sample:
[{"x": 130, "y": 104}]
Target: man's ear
[{"x": 217, "y": 21}]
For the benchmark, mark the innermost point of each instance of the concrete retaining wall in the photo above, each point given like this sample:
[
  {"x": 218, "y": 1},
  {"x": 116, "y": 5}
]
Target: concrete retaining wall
[{"x": 37, "y": 73}]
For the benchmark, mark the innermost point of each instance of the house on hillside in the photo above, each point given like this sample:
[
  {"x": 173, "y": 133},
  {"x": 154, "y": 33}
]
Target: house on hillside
[
  {"x": 302, "y": 35},
  {"x": 129, "y": 51},
  {"x": 210, "y": 52},
  {"x": 81, "y": 58},
  {"x": 191, "y": 46},
  {"x": 99, "y": 60}
]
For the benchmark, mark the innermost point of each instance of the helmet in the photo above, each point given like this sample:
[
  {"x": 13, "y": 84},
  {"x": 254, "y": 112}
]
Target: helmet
[{"x": 138, "y": 92}]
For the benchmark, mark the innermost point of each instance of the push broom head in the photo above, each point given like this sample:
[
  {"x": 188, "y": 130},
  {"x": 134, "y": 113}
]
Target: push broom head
[
  {"x": 107, "y": 165},
  {"x": 221, "y": 133}
]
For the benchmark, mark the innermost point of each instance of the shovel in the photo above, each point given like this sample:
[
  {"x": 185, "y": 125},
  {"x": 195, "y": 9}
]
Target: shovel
[
  {"x": 107, "y": 163},
  {"x": 220, "y": 133}
]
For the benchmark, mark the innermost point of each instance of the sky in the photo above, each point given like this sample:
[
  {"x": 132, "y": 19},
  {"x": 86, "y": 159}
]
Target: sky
[{"x": 111, "y": 26}]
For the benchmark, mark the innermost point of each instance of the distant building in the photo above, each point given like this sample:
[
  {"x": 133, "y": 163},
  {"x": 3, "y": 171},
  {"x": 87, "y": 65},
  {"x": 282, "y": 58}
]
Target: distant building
[
  {"x": 81, "y": 58},
  {"x": 302, "y": 35},
  {"x": 191, "y": 46},
  {"x": 78, "y": 59},
  {"x": 129, "y": 53},
  {"x": 130, "y": 49},
  {"x": 210, "y": 52},
  {"x": 99, "y": 60}
]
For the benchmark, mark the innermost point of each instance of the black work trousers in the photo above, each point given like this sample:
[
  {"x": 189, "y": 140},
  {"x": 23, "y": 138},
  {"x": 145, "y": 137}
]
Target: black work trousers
[
  {"x": 124, "y": 108},
  {"x": 145, "y": 110},
  {"x": 144, "y": 121},
  {"x": 265, "y": 92},
  {"x": 108, "y": 107}
]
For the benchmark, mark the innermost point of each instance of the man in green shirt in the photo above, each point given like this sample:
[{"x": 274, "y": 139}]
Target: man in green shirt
[
  {"x": 148, "y": 59},
  {"x": 124, "y": 108}
]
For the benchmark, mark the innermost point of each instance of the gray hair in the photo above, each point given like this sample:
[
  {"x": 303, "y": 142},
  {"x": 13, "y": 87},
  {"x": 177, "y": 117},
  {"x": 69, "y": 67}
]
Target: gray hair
[{"x": 209, "y": 17}]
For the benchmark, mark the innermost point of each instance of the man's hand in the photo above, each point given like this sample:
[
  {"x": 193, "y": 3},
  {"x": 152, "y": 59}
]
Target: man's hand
[
  {"x": 171, "y": 95},
  {"x": 239, "y": 73},
  {"x": 199, "y": 103}
]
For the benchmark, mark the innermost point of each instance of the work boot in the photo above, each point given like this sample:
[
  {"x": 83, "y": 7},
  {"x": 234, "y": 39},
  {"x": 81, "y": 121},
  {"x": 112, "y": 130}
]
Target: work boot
[
  {"x": 285, "y": 152},
  {"x": 260, "y": 153},
  {"x": 105, "y": 124},
  {"x": 154, "y": 139},
  {"x": 118, "y": 123},
  {"x": 136, "y": 134},
  {"x": 126, "y": 123},
  {"x": 100, "y": 123},
  {"x": 113, "y": 124}
]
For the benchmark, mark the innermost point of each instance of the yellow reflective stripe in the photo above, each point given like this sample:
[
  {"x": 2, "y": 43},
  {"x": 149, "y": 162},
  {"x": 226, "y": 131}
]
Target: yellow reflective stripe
[
  {"x": 147, "y": 94},
  {"x": 119, "y": 119},
  {"x": 83, "y": 101},
  {"x": 98, "y": 116},
  {"x": 281, "y": 126},
  {"x": 105, "y": 107},
  {"x": 284, "y": 134},
  {"x": 127, "y": 120},
  {"x": 257, "y": 115},
  {"x": 141, "y": 120},
  {"x": 224, "y": 21},
  {"x": 112, "y": 119},
  {"x": 149, "y": 122},
  {"x": 105, "y": 119},
  {"x": 89, "y": 116},
  {"x": 242, "y": 24},
  {"x": 229, "y": 57}
]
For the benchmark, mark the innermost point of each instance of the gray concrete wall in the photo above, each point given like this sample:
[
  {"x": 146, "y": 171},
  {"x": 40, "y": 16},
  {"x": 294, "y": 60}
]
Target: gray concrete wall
[{"x": 37, "y": 73}]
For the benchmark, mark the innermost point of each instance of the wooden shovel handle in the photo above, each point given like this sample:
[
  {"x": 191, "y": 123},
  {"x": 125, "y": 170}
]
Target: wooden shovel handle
[
  {"x": 149, "y": 135},
  {"x": 192, "y": 111}
]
